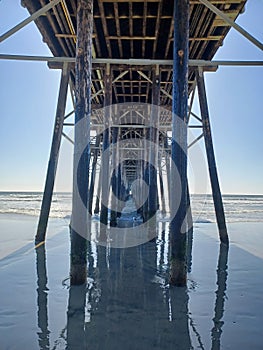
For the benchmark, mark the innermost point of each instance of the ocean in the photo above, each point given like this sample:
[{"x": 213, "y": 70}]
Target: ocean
[{"x": 238, "y": 208}]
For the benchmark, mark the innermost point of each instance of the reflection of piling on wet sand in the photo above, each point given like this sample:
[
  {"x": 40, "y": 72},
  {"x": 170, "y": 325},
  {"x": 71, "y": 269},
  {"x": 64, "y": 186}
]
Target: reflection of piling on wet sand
[
  {"x": 127, "y": 297},
  {"x": 42, "y": 297},
  {"x": 127, "y": 289}
]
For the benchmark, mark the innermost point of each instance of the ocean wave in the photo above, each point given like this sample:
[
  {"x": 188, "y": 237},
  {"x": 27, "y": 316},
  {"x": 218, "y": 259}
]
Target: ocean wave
[
  {"x": 21, "y": 199},
  {"x": 18, "y": 212},
  {"x": 58, "y": 215},
  {"x": 237, "y": 208}
]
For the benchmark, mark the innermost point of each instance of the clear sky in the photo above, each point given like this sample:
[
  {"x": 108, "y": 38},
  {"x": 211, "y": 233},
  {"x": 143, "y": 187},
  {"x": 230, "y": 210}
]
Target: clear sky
[{"x": 29, "y": 90}]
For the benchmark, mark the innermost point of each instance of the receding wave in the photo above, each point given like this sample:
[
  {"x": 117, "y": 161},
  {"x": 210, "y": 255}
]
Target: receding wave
[{"x": 203, "y": 221}]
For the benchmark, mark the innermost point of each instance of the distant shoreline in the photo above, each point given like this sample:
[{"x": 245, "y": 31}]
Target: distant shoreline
[{"x": 192, "y": 194}]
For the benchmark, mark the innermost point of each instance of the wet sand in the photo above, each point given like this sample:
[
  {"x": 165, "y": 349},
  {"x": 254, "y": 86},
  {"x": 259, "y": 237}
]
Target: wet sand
[
  {"x": 127, "y": 302},
  {"x": 17, "y": 231}
]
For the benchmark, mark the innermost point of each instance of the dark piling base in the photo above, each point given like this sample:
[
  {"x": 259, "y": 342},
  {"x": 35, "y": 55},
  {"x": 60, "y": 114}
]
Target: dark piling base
[
  {"x": 78, "y": 274},
  {"x": 113, "y": 222},
  {"x": 151, "y": 227},
  {"x": 97, "y": 207},
  {"x": 104, "y": 214},
  {"x": 148, "y": 215},
  {"x": 78, "y": 259},
  {"x": 178, "y": 275}
]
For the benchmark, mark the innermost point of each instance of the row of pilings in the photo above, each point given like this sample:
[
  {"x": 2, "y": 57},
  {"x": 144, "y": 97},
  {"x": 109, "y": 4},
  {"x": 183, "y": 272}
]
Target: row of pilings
[{"x": 120, "y": 182}]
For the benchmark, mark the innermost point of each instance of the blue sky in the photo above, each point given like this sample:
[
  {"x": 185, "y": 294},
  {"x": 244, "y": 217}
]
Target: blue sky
[{"x": 29, "y": 90}]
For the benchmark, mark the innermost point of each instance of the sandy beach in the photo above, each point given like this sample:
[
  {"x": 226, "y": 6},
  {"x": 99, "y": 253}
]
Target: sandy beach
[{"x": 127, "y": 302}]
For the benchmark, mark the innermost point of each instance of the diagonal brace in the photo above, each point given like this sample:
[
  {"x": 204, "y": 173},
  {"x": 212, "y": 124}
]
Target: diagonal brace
[
  {"x": 232, "y": 23},
  {"x": 28, "y": 20}
]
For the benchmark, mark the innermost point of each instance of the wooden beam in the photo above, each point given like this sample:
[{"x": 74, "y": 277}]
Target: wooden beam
[
  {"x": 118, "y": 28},
  {"x": 105, "y": 157},
  {"x": 54, "y": 154},
  {"x": 114, "y": 178},
  {"x": 144, "y": 24},
  {"x": 134, "y": 16},
  {"x": 66, "y": 35},
  {"x": 129, "y": 1},
  {"x": 28, "y": 20},
  {"x": 229, "y": 21},
  {"x": 178, "y": 197},
  {"x": 154, "y": 139},
  {"x": 79, "y": 219},
  {"x": 130, "y": 37},
  {"x": 131, "y": 27},
  {"x": 219, "y": 2},
  {"x": 157, "y": 28},
  {"x": 104, "y": 26},
  {"x": 93, "y": 172},
  {"x": 122, "y": 62},
  {"x": 217, "y": 198}
]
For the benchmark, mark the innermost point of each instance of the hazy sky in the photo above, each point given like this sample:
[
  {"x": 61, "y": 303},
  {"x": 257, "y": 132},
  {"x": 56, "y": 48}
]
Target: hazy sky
[{"x": 28, "y": 95}]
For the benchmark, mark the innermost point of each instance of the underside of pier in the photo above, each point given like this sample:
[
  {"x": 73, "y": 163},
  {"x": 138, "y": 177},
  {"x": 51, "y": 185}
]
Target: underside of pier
[{"x": 134, "y": 71}]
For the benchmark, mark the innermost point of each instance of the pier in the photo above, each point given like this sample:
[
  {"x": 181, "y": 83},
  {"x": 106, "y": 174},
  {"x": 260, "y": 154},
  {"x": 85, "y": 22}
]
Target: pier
[{"x": 133, "y": 69}]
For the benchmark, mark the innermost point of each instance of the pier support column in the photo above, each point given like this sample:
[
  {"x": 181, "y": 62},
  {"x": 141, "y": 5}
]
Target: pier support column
[
  {"x": 162, "y": 199},
  {"x": 179, "y": 144},
  {"x": 93, "y": 173},
  {"x": 113, "y": 216},
  {"x": 153, "y": 155},
  {"x": 54, "y": 153},
  {"x": 105, "y": 159},
  {"x": 119, "y": 187},
  {"x": 168, "y": 171},
  {"x": 190, "y": 232},
  {"x": 79, "y": 224},
  {"x": 217, "y": 198},
  {"x": 97, "y": 205},
  {"x": 146, "y": 172},
  {"x": 141, "y": 192}
]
